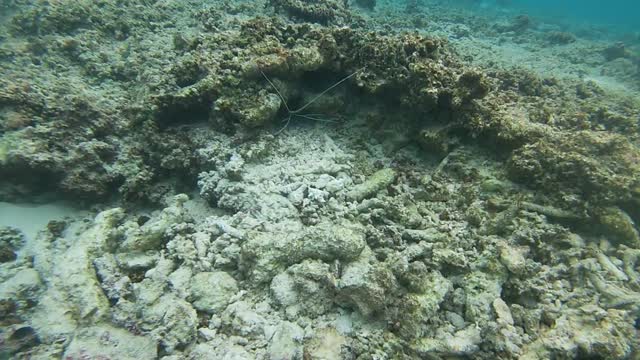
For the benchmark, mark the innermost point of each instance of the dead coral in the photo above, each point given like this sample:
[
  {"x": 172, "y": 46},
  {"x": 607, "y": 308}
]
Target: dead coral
[
  {"x": 561, "y": 38},
  {"x": 616, "y": 51},
  {"x": 519, "y": 24},
  {"x": 366, "y": 4},
  {"x": 569, "y": 163},
  {"x": 323, "y": 12}
]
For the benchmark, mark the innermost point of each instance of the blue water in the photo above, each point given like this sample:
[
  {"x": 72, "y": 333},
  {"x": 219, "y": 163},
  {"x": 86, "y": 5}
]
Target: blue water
[{"x": 622, "y": 14}]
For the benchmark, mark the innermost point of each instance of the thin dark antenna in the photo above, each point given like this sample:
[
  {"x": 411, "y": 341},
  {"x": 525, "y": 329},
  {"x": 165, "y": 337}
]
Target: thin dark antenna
[{"x": 297, "y": 112}]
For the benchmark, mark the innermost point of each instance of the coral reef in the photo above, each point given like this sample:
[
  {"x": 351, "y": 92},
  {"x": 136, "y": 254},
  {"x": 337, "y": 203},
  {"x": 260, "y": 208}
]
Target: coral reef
[
  {"x": 324, "y": 12},
  {"x": 518, "y": 24},
  {"x": 561, "y": 37},
  {"x": 433, "y": 205},
  {"x": 616, "y": 51},
  {"x": 366, "y": 4}
]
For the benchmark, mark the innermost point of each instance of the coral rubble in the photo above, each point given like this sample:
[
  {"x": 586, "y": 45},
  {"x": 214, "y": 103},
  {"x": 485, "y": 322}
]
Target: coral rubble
[{"x": 428, "y": 205}]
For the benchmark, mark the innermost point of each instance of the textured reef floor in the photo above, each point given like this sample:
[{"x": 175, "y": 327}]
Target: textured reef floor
[{"x": 471, "y": 190}]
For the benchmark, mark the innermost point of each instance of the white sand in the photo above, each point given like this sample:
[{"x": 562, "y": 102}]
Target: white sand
[{"x": 32, "y": 218}]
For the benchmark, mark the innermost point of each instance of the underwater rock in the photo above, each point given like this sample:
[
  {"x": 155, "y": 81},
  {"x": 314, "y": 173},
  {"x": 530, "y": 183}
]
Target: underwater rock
[
  {"x": 225, "y": 350},
  {"x": 619, "y": 226},
  {"x": 366, "y": 284},
  {"x": 472, "y": 84},
  {"x": 10, "y": 241},
  {"x": 137, "y": 261},
  {"x": 416, "y": 309},
  {"x": 513, "y": 258},
  {"x": 586, "y": 332},
  {"x": 22, "y": 287},
  {"x": 616, "y": 51},
  {"x": 17, "y": 339},
  {"x": 612, "y": 295},
  {"x": 302, "y": 59},
  {"x": 464, "y": 342},
  {"x": 74, "y": 295},
  {"x": 150, "y": 235},
  {"x": 505, "y": 335},
  {"x": 304, "y": 288},
  {"x": 330, "y": 11},
  {"x": 265, "y": 111},
  {"x": 105, "y": 341},
  {"x": 561, "y": 37},
  {"x": 559, "y": 161},
  {"x": 331, "y": 241},
  {"x": 481, "y": 290},
  {"x": 171, "y": 321},
  {"x": 366, "y": 4},
  {"x": 211, "y": 292},
  {"x": 630, "y": 258},
  {"x": 455, "y": 319},
  {"x": 518, "y": 24},
  {"x": 243, "y": 320},
  {"x": 96, "y": 102},
  {"x": 8, "y": 312},
  {"x": 376, "y": 182},
  {"x": 326, "y": 344},
  {"x": 266, "y": 254},
  {"x": 503, "y": 314},
  {"x": 115, "y": 284},
  {"x": 19, "y": 293},
  {"x": 437, "y": 140},
  {"x": 286, "y": 342},
  {"x": 56, "y": 227}
]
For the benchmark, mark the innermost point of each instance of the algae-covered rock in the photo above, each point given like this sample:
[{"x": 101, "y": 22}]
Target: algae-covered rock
[
  {"x": 137, "y": 261},
  {"x": 326, "y": 344},
  {"x": 463, "y": 343},
  {"x": 4, "y": 151},
  {"x": 305, "y": 288},
  {"x": 94, "y": 102},
  {"x": 286, "y": 342},
  {"x": 242, "y": 319},
  {"x": 11, "y": 143},
  {"x": 114, "y": 283},
  {"x": 503, "y": 314},
  {"x": 10, "y": 241},
  {"x": 513, "y": 258},
  {"x": 150, "y": 235},
  {"x": 372, "y": 185},
  {"x": 417, "y": 308},
  {"x": 171, "y": 321},
  {"x": 302, "y": 59},
  {"x": 265, "y": 110},
  {"x": 566, "y": 162},
  {"x": 587, "y": 331},
  {"x": 266, "y": 254},
  {"x": 437, "y": 140},
  {"x": 211, "y": 292},
  {"x": 330, "y": 241},
  {"x": 366, "y": 284},
  {"x": 619, "y": 226},
  {"x": 73, "y": 271},
  {"x": 21, "y": 289},
  {"x": 105, "y": 341},
  {"x": 330, "y": 11},
  {"x": 17, "y": 339},
  {"x": 481, "y": 289},
  {"x": 226, "y": 350}
]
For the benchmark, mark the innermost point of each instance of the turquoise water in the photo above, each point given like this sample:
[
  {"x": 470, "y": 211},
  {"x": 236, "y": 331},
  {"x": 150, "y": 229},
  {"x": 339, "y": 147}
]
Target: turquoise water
[{"x": 621, "y": 15}]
